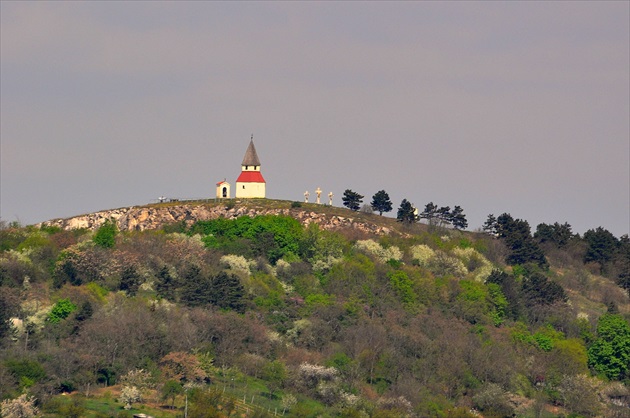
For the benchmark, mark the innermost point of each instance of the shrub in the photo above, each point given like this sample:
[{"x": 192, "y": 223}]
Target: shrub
[
  {"x": 402, "y": 284},
  {"x": 377, "y": 250},
  {"x": 106, "y": 235},
  {"x": 422, "y": 254},
  {"x": 445, "y": 265},
  {"x": 61, "y": 310},
  {"x": 237, "y": 263},
  {"x": 493, "y": 400}
]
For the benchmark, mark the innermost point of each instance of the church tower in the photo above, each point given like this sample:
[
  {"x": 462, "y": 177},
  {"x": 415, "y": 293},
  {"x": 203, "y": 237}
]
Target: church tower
[{"x": 251, "y": 182}]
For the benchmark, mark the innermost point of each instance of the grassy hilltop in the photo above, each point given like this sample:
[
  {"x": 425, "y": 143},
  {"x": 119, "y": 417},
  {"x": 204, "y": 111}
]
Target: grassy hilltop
[{"x": 265, "y": 307}]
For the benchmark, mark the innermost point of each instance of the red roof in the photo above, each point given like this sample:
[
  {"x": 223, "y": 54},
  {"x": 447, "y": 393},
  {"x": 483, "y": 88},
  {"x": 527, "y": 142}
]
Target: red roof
[
  {"x": 250, "y": 177},
  {"x": 221, "y": 182}
]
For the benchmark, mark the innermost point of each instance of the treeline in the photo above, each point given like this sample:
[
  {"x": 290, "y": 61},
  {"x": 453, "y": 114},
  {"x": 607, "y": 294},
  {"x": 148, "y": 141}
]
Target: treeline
[
  {"x": 598, "y": 248},
  {"x": 407, "y": 213},
  {"x": 327, "y": 323}
]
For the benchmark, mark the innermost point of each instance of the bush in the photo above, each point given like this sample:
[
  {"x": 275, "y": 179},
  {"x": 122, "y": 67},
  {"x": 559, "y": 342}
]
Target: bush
[
  {"x": 106, "y": 235},
  {"x": 61, "y": 310},
  {"x": 493, "y": 400}
]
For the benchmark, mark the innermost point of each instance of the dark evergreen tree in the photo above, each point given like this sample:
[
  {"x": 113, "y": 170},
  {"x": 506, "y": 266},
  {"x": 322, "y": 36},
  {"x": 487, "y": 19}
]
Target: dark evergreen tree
[
  {"x": 623, "y": 278},
  {"x": 538, "y": 290},
  {"x": 458, "y": 219},
  {"x": 381, "y": 202},
  {"x": 352, "y": 200},
  {"x": 511, "y": 290},
  {"x": 517, "y": 236},
  {"x": 196, "y": 289},
  {"x": 6, "y": 310},
  {"x": 165, "y": 285},
  {"x": 406, "y": 213},
  {"x": 430, "y": 213},
  {"x": 602, "y": 246},
  {"x": 85, "y": 312},
  {"x": 130, "y": 281},
  {"x": 67, "y": 272},
  {"x": 444, "y": 215},
  {"x": 556, "y": 233},
  {"x": 227, "y": 292},
  {"x": 490, "y": 226}
]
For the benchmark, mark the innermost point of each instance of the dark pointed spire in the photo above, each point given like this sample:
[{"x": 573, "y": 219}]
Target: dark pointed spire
[{"x": 251, "y": 157}]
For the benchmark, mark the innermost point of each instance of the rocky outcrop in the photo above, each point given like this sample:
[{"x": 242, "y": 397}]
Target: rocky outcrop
[{"x": 139, "y": 218}]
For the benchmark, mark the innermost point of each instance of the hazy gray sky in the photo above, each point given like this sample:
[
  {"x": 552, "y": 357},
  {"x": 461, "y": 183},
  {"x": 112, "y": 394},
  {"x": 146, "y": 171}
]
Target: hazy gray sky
[{"x": 519, "y": 107}]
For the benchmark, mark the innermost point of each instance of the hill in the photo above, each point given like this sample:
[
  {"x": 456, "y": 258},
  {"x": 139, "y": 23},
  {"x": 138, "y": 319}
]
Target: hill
[
  {"x": 271, "y": 307},
  {"x": 154, "y": 216}
]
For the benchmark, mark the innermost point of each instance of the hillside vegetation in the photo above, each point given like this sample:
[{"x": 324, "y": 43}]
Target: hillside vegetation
[{"x": 313, "y": 311}]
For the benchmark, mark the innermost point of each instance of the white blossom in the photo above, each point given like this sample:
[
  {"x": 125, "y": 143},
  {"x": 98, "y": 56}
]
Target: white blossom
[
  {"x": 129, "y": 395},
  {"x": 237, "y": 263},
  {"x": 21, "y": 407},
  {"x": 381, "y": 253},
  {"x": 422, "y": 254},
  {"x": 475, "y": 262}
]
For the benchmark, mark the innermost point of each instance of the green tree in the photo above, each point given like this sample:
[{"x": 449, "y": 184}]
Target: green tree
[
  {"x": 402, "y": 284},
  {"x": 510, "y": 290},
  {"x": 406, "y": 213},
  {"x": 274, "y": 373},
  {"x": 610, "y": 353},
  {"x": 62, "y": 309},
  {"x": 269, "y": 236},
  {"x": 105, "y": 236},
  {"x": 381, "y": 202},
  {"x": 171, "y": 390},
  {"x": 352, "y": 200}
]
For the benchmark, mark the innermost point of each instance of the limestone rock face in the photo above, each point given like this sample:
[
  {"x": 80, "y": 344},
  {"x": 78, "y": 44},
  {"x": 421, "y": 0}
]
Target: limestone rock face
[{"x": 142, "y": 218}]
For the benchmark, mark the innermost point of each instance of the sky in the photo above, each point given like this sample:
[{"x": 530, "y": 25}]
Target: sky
[{"x": 498, "y": 107}]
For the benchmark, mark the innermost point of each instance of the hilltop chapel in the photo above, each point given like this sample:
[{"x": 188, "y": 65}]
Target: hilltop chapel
[{"x": 250, "y": 183}]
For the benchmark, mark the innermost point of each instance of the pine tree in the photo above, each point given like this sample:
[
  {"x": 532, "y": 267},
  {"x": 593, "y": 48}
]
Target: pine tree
[
  {"x": 165, "y": 284},
  {"x": 490, "y": 226},
  {"x": 406, "y": 213},
  {"x": 430, "y": 213},
  {"x": 381, "y": 202},
  {"x": 517, "y": 236},
  {"x": 458, "y": 219},
  {"x": 352, "y": 200},
  {"x": 196, "y": 288},
  {"x": 130, "y": 281},
  {"x": 227, "y": 292}
]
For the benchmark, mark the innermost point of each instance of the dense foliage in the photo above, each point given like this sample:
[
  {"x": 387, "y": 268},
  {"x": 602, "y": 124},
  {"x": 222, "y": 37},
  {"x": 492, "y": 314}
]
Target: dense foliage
[{"x": 426, "y": 321}]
